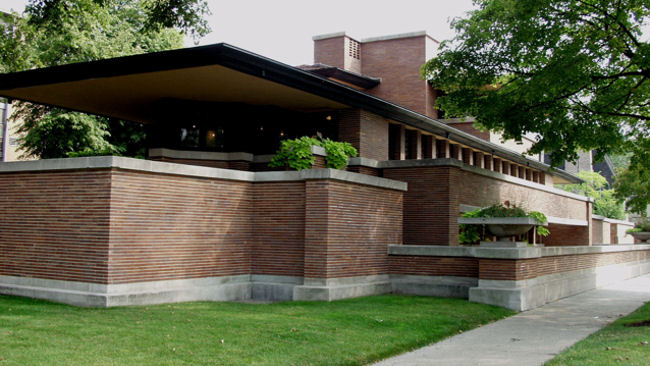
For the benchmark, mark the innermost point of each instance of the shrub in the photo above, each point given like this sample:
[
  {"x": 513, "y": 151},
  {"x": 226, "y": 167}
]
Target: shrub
[
  {"x": 296, "y": 153},
  {"x": 640, "y": 226}
]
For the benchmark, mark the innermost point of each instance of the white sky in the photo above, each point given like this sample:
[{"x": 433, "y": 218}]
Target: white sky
[{"x": 282, "y": 29}]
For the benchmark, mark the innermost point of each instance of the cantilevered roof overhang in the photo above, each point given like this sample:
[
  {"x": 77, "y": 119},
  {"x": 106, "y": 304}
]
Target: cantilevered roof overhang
[{"x": 133, "y": 87}]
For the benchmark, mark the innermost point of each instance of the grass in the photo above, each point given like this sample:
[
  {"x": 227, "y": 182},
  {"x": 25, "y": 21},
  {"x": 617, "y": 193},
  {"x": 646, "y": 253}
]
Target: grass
[
  {"x": 346, "y": 332},
  {"x": 616, "y": 344}
]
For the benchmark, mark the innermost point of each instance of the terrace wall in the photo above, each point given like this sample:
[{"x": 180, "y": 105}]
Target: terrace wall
[
  {"x": 439, "y": 187},
  {"x": 519, "y": 279},
  {"x": 120, "y": 231}
]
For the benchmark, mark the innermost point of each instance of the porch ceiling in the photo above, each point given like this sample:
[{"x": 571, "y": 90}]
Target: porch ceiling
[{"x": 138, "y": 96}]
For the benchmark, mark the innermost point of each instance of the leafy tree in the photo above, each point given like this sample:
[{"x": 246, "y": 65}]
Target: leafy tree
[
  {"x": 576, "y": 72},
  {"x": 633, "y": 183},
  {"x": 606, "y": 201},
  {"x": 187, "y": 15},
  {"x": 89, "y": 30}
]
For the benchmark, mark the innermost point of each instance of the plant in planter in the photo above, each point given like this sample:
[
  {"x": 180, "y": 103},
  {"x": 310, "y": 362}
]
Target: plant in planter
[
  {"x": 297, "y": 154},
  {"x": 641, "y": 231},
  {"x": 502, "y": 221}
]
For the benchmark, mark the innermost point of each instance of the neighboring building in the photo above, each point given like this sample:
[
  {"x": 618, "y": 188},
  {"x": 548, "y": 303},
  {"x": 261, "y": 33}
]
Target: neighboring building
[
  {"x": 109, "y": 231},
  {"x": 587, "y": 162}
]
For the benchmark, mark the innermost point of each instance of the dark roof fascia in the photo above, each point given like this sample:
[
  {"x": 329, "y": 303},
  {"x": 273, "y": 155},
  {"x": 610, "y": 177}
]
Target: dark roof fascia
[
  {"x": 362, "y": 81},
  {"x": 253, "y": 64}
]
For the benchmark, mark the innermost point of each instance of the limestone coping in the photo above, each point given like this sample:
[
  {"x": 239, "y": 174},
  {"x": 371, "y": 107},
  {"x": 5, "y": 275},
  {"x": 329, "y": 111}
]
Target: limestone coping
[
  {"x": 612, "y": 221},
  {"x": 509, "y": 253},
  {"x": 149, "y": 166}
]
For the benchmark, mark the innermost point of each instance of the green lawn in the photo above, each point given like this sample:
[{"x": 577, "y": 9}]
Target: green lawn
[
  {"x": 617, "y": 344},
  {"x": 347, "y": 332}
]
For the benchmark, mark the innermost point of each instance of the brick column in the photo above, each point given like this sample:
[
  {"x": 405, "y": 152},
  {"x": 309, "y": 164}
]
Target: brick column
[{"x": 431, "y": 204}]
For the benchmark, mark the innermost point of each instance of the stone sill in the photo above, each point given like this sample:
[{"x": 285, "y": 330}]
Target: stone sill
[
  {"x": 148, "y": 166},
  {"x": 509, "y": 253}
]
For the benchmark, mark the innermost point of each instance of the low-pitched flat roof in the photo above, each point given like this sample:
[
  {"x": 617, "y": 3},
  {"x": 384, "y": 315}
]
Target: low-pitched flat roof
[{"x": 132, "y": 87}]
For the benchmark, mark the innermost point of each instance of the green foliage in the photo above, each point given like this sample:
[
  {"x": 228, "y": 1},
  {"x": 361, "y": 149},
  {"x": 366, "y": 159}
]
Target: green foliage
[
  {"x": 296, "y": 153},
  {"x": 574, "y": 72},
  {"x": 470, "y": 233},
  {"x": 186, "y": 15},
  {"x": 361, "y": 330},
  {"x": 633, "y": 184},
  {"x": 55, "y": 133},
  {"x": 640, "y": 226},
  {"x": 338, "y": 153},
  {"x": 595, "y": 186},
  {"x": 60, "y": 32}
]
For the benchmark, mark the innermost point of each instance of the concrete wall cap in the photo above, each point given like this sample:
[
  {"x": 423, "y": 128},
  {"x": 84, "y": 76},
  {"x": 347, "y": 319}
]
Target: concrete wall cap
[
  {"x": 107, "y": 162},
  {"x": 327, "y": 35},
  {"x": 508, "y": 253},
  {"x": 396, "y": 36}
]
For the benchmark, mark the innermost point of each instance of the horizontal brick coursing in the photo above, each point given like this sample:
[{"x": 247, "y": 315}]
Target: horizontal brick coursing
[
  {"x": 433, "y": 266},
  {"x": 430, "y": 208},
  {"x": 170, "y": 227},
  {"x": 279, "y": 235},
  {"x": 566, "y": 235},
  {"x": 522, "y": 269},
  {"x": 55, "y": 225},
  {"x": 349, "y": 228},
  {"x": 114, "y": 226},
  {"x": 478, "y": 190}
]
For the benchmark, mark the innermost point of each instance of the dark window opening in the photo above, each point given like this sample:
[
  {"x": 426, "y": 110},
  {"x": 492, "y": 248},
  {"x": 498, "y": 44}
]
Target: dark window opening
[
  {"x": 394, "y": 141},
  {"x": 236, "y": 127}
]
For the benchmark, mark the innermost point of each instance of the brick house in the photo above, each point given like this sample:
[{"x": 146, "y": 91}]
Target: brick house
[{"x": 204, "y": 218}]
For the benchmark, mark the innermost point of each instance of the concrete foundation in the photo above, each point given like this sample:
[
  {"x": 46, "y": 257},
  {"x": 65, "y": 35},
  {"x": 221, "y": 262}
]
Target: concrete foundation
[
  {"x": 518, "y": 295},
  {"x": 444, "y": 286},
  {"x": 532, "y": 293}
]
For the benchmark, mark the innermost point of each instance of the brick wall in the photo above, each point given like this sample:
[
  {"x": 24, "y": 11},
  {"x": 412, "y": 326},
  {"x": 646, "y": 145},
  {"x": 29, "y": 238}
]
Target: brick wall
[
  {"x": 397, "y": 62},
  {"x": 170, "y": 227},
  {"x": 329, "y": 51},
  {"x": 479, "y": 190},
  {"x": 348, "y": 229},
  {"x": 55, "y": 225},
  {"x": 115, "y": 226},
  {"x": 522, "y": 269},
  {"x": 597, "y": 231},
  {"x": 433, "y": 266},
  {"x": 366, "y": 131},
  {"x": 430, "y": 205},
  {"x": 279, "y": 235}
]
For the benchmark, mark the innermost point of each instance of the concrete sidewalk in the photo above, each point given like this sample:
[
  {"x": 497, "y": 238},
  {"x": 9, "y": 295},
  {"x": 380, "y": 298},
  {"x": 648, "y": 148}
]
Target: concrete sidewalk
[{"x": 536, "y": 336}]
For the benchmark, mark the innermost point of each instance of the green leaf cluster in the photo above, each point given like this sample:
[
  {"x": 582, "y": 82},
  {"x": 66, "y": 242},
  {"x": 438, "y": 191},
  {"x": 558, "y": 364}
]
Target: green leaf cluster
[
  {"x": 574, "y": 73},
  {"x": 296, "y": 153},
  {"x": 640, "y": 226},
  {"x": 61, "y": 32},
  {"x": 632, "y": 184},
  {"x": 595, "y": 186}
]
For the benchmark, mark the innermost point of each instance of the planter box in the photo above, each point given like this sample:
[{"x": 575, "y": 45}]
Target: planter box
[
  {"x": 642, "y": 236},
  {"x": 503, "y": 228}
]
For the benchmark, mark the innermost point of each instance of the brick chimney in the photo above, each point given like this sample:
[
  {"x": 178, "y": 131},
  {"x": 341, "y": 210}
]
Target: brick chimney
[
  {"x": 337, "y": 49},
  {"x": 396, "y": 59}
]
